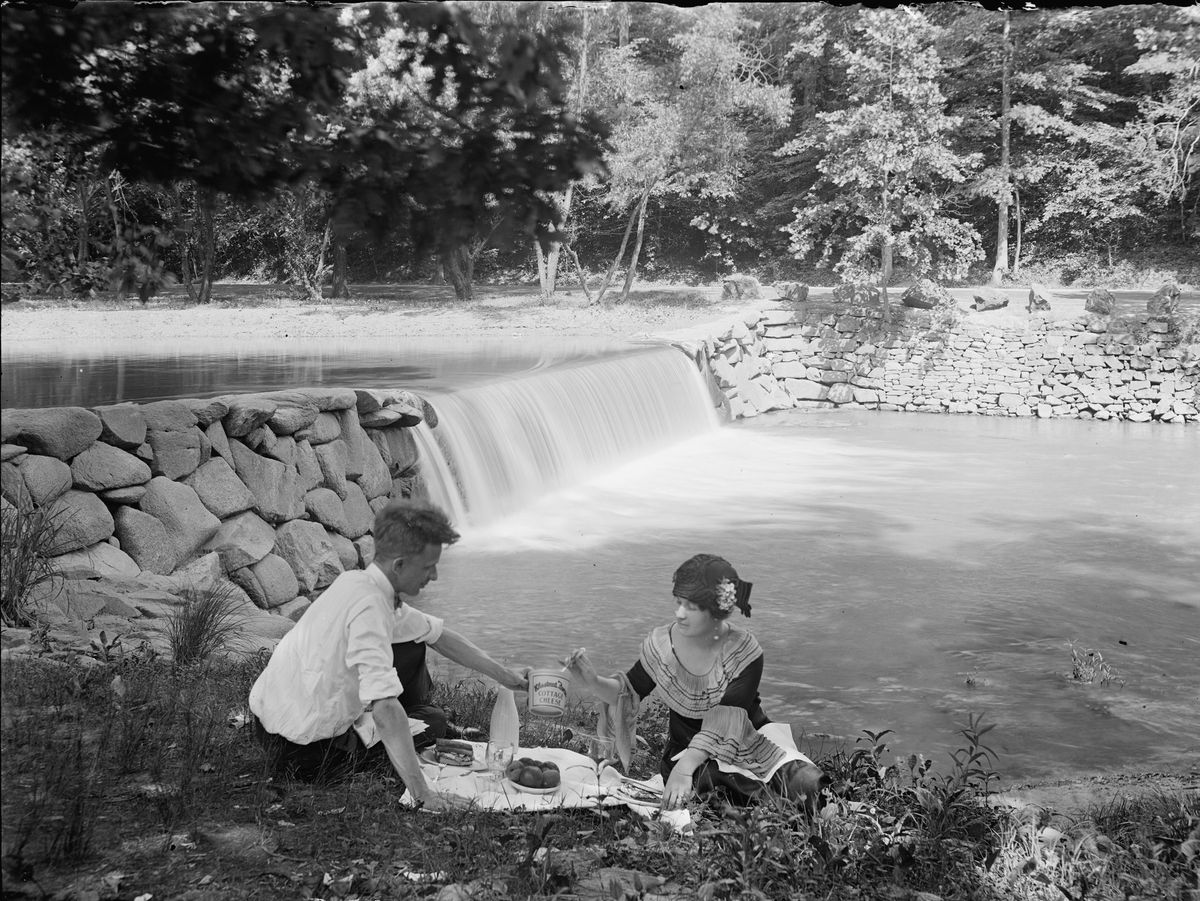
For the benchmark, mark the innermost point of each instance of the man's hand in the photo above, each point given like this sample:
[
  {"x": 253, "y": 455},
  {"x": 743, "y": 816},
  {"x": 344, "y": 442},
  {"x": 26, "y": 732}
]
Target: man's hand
[{"x": 518, "y": 679}]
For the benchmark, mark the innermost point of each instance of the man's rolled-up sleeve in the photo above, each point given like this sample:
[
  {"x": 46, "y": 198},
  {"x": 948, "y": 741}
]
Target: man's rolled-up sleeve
[{"x": 369, "y": 653}]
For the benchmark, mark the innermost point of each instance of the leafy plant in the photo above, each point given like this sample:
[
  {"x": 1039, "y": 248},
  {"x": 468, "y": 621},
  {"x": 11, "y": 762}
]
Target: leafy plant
[
  {"x": 26, "y": 536},
  {"x": 1089, "y": 667},
  {"x": 207, "y": 622}
]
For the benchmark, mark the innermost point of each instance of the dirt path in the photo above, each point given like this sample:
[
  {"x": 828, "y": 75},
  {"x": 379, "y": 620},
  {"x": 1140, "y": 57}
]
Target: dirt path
[
  {"x": 243, "y": 312},
  {"x": 1067, "y": 796}
]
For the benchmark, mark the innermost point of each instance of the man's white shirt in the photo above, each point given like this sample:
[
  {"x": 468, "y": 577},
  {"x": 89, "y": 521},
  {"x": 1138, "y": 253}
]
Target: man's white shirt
[{"x": 338, "y": 659}]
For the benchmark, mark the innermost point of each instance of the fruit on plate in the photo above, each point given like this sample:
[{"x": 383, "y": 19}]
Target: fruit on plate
[{"x": 533, "y": 773}]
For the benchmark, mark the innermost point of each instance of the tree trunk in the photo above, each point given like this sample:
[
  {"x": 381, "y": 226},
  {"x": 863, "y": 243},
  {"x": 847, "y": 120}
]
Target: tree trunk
[
  {"x": 539, "y": 259},
  {"x": 1017, "y": 254},
  {"x": 579, "y": 271},
  {"x": 1002, "y": 202},
  {"x": 118, "y": 272},
  {"x": 459, "y": 267},
  {"x": 637, "y": 248},
  {"x": 612, "y": 270},
  {"x": 885, "y": 276},
  {"x": 341, "y": 287},
  {"x": 208, "y": 243},
  {"x": 185, "y": 246},
  {"x": 81, "y": 255}
]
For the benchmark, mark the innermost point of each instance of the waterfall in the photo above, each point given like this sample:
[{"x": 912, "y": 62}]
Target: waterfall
[{"x": 499, "y": 445}]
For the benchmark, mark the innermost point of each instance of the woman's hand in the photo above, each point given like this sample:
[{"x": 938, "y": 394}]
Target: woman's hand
[
  {"x": 678, "y": 789},
  {"x": 580, "y": 666}
]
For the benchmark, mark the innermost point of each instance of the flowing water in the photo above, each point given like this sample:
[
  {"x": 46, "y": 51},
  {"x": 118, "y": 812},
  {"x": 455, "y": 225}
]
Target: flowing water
[{"x": 909, "y": 569}]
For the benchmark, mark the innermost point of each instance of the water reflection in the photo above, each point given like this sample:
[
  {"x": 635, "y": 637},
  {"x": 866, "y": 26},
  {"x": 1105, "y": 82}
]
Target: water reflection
[
  {"x": 42, "y": 374},
  {"x": 908, "y": 570}
]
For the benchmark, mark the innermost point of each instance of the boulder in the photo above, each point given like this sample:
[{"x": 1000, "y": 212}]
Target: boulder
[
  {"x": 176, "y": 453},
  {"x": 60, "y": 432},
  {"x": 219, "y": 441},
  {"x": 358, "y": 444},
  {"x": 793, "y": 292},
  {"x": 12, "y": 486},
  {"x": 82, "y": 520},
  {"x": 366, "y": 550},
  {"x": 103, "y": 466},
  {"x": 985, "y": 299},
  {"x": 11, "y": 452},
  {"x": 1163, "y": 303},
  {"x": 282, "y": 449},
  {"x": 741, "y": 287},
  {"x": 246, "y": 413},
  {"x": 269, "y": 582},
  {"x": 264, "y": 631},
  {"x": 144, "y": 538},
  {"x": 168, "y": 416},
  {"x": 188, "y": 522},
  {"x": 346, "y": 550},
  {"x": 1039, "y": 299},
  {"x": 925, "y": 295},
  {"x": 98, "y": 560},
  {"x": 332, "y": 459},
  {"x": 241, "y": 541},
  {"x": 325, "y": 398},
  {"x": 47, "y": 478},
  {"x": 308, "y": 467},
  {"x": 201, "y": 574},
  {"x": 376, "y": 479},
  {"x": 324, "y": 506},
  {"x": 1100, "y": 301},
  {"x": 841, "y": 393},
  {"x": 360, "y": 518},
  {"x": 219, "y": 488},
  {"x": 260, "y": 439},
  {"x": 289, "y": 418},
  {"x": 207, "y": 411},
  {"x": 131, "y": 495},
  {"x": 380, "y": 408},
  {"x": 401, "y": 449},
  {"x": 121, "y": 425},
  {"x": 309, "y": 552},
  {"x": 85, "y": 599},
  {"x": 293, "y": 610},
  {"x": 276, "y": 487},
  {"x": 325, "y": 428}
]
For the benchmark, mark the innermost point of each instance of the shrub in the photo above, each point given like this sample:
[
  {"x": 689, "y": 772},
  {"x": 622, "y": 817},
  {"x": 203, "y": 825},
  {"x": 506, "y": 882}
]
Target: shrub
[
  {"x": 26, "y": 535},
  {"x": 207, "y": 622}
]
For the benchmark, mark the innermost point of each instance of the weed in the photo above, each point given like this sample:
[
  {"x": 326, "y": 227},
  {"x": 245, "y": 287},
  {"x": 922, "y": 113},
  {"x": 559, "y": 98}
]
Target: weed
[
  {"x": 26, "y": 537},
  {"x": 1088, "y": 666},
  {"x": 207, "y": 622}
]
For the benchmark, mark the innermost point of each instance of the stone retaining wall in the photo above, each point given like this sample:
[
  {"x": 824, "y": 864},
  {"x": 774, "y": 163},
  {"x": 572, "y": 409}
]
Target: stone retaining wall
[
  {"x": 1091, "y": 367},
  {"x": 272, "y": 493}
]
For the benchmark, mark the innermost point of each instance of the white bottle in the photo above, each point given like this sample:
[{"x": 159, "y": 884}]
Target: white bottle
[{"x": 506, "y": 724}]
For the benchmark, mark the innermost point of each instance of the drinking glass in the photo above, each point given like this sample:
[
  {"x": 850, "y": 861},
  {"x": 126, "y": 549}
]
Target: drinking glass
[{"x": 498, "y": 757}]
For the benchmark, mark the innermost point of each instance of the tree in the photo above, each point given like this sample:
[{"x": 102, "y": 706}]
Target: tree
[
  {"x": 1170, "y": 117},
  {"x": 887, "y": 167},
  {"x": 461, "y": 136},
  {"x": 678, "y": 127},
  {"x": 243, "y": 100}
]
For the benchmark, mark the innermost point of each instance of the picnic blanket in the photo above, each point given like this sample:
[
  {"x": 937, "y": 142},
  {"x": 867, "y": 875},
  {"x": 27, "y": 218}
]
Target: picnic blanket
[{"x": 584, "y": 784}]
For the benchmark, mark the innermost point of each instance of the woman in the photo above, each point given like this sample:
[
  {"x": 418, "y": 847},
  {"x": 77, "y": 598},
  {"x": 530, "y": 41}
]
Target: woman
[{"x": 708, "y": 671}]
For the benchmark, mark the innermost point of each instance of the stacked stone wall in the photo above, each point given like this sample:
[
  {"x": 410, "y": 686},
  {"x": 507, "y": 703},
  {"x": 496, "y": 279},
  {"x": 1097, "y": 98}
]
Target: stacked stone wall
[
  {"x": 1090, "y": 367},
  {"x": 269, "y": 495}
]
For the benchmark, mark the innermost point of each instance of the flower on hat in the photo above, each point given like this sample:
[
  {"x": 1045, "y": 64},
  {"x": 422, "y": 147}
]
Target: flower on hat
[{"x": 726, "y": 595}]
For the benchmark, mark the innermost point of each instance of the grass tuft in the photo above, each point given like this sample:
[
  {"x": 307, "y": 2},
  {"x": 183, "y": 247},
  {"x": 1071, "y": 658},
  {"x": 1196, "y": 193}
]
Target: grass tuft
[
  {"x": 26, "y": 537},
  {"x": 209, "y": 621}
]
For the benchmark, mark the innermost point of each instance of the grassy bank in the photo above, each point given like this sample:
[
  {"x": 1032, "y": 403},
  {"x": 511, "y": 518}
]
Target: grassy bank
[{"x": 135, "y": 777}]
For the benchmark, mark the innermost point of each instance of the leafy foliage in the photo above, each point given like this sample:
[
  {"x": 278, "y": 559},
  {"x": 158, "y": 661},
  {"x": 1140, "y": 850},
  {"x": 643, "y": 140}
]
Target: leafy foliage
[
  {"x": 26, "y": 538},
  {"x": 887, "y": 166}
]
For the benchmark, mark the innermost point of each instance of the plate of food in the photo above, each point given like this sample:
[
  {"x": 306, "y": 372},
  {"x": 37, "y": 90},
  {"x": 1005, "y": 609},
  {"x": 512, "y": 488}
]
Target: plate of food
[
  {"x": 535, "y": 777},
  {"x": 635, "y": 792},
  {"x": 455, "y": 753}
]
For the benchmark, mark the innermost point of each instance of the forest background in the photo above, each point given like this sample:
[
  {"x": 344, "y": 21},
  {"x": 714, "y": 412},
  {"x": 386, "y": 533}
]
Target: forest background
[{"x": 323, "y": 147}]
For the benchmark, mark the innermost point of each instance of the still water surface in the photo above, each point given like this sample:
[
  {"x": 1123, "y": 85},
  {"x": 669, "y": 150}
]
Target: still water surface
[{"x": 909, "y": 569}]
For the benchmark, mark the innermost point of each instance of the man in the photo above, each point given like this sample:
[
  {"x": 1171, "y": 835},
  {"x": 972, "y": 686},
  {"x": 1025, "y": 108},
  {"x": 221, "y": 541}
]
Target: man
[{"x": 330, "y": 699}]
